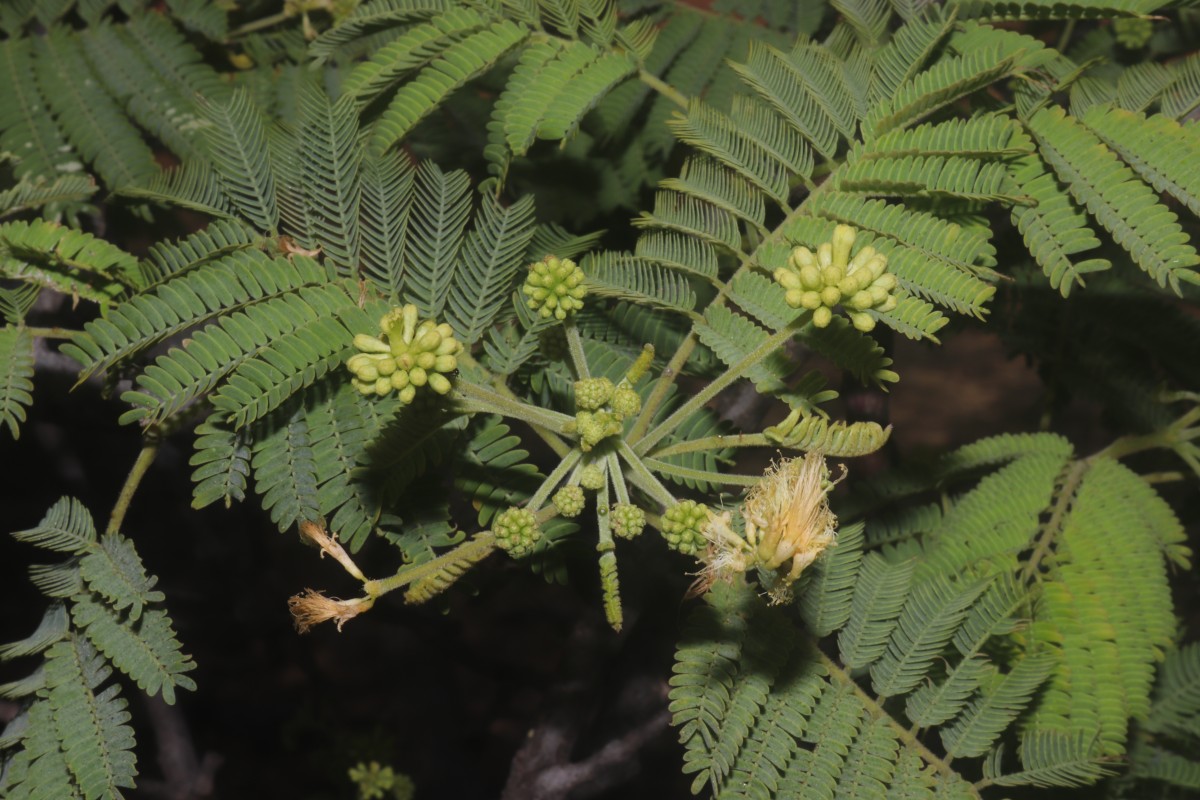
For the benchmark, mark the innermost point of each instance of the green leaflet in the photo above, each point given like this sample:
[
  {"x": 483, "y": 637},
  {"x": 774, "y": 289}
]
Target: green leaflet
[
  {"x": 16, "y": 377},
  {"x": 72, "y": 739},
  {"x": 1116, "y": 197}
]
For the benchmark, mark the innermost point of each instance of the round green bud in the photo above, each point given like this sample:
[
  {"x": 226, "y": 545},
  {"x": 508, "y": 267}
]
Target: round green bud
[
  {"x": 592, "y": 393},
  {"x": 822, "y": 317},
  {"x": 787, "y": 278},
  {"x": 888, "y": 304},
  {"x": 439, "y": 383},
  {"x": 683, "y": 527},
  {"x": 810, "y": 300},
  {"x": 801, "y": 257},
  {"x": 810, "y": 278},
  {"x": 554, "y": 287},
  {"x": 861, "y": 301},
  {"x": 794, "y": 297},
  {"x": 386, "y": 366},
  {"x": 832, "y": 276},
  {"x": 862, "y": 321},
  {"x": 426, "y": 361},
  {"x": 860, "y": 260},
  {"x": 627, "y": 520},
  {"x": 878, "y": 295},
  {"x": 383, "y": 386},
  {"x": 418, "y": 376},
  {"x": 591, "y": 477},
  {"x": 367, "y": 372},
  {"x": 830, "y": 296},
  {"x": 399, "y": 379},
  {"x": 569, "y": 501},
  {"x": 516, "y": 531},
  {"x": 886, "y": 281},
  {"x": 626, "y": 403},
  {"x": 363, "y": 387}
]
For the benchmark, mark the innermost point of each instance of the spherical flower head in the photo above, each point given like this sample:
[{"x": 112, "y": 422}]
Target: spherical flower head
[
  {"x": 591, "y": 394},
  {"x": 594, "y": 427},
  {"x": 569, "y": 501},
  {"x": 554, "y": 287},
  {"x": 627, "y": 520},
  {"x": 516, "y": 531},
  {"x": 409, "y": 354},
  {"x": 819, "y": 282},
  {"x": 683, "y": 527},
  {"x": 591, "y": 477},
  {"x": 625, "y": 403}
]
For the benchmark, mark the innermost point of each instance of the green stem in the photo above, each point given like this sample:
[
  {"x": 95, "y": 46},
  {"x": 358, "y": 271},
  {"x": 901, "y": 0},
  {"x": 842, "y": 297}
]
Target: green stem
[
  {"x": 643, "y": 478},
  {"x": 665, "y": 89},
  {"x": 1168, "y": 437},
  {"x": 415, "y": 572},
  {"x": 140, "y": 467},
  {"x": 479, "y": 398},
  {"x": 1057, "y": 516},
  {"x": 715, "y": 443},
  {"x": 701, "y": 398},
  {"x": 663, "y": 385},
  {"x": 555, "y": 443},
  {"x": 53, "y": 333},
  {"x": 675, "y": 366},
  {"x": 877, "y": 712},
  {"x": 575, "y": 347},
  {"x": 702, "y": 475},
  {"x": 554, "y": 479},
  {"x": 618, "y": 477},
  {"x": 259, "y": 24}
]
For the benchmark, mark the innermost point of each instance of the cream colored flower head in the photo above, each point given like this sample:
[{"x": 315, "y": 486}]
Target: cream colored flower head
[{"x": 788, "y": 524}]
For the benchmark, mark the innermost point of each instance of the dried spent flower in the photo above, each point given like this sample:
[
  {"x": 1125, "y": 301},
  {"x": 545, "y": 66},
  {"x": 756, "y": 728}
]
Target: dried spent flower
[{"x": 310, "y": 608}]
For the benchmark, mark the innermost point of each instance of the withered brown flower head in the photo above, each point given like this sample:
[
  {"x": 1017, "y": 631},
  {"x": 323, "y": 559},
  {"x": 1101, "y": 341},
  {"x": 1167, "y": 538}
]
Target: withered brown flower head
[{"x": 311, "y": 608}]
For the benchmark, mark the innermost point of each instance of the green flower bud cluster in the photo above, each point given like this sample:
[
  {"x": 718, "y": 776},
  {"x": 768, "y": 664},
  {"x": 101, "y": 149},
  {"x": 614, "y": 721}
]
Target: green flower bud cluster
[
  {"x": 555, "y": 287},
  {"x": 516, "y": 531},
  {"x": 1133, "y": 33},
  {"x": 601, "y": 408},
  {"x": 683, "y": 527},
  {"x": 409, "y": 353},
  {"x": 627, "y": 520},
  {"x": 569, "y": 501},
  {"x": 592, "y": 477},
  {"x": 820, "y": 282}
]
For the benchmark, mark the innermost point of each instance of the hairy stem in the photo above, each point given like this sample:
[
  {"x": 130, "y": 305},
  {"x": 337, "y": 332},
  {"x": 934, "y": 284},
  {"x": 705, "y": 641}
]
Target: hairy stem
[
  {"x": 554, "y": 479},
  {"x": 698, "y": 400},
  {"x": 483, "y": 541},
  {"x": 555, "y": 443},
  {"x": 575, "y": 346},
  {"x": 618, "y": 477},
  {"x": 53, "y": 333},
  {"x": 480, "y": 398},
  {"x": 714, "y": 443},
  {"x": 643, "y": 478},
  {"x": 665, "y": 89},
  {"x": 701, "y": 475},
  {"x": 675, "y": 365},
  {"x": 140, "y": 467}
]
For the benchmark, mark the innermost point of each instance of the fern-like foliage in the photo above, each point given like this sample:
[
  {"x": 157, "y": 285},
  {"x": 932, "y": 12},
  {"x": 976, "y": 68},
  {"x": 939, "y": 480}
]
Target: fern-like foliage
[
  {"x": 923, "y": 619},
  {"x": 71, "y": 738}
]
